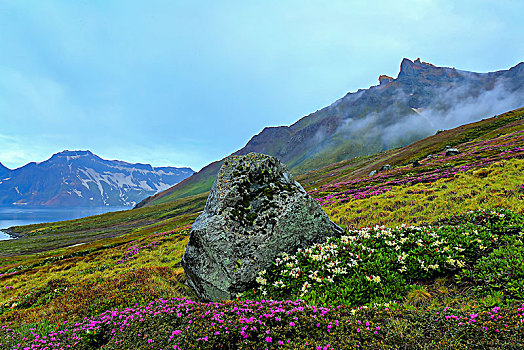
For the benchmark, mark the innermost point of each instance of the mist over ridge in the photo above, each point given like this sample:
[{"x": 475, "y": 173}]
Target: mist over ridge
[{"x": 421, "y": 100}]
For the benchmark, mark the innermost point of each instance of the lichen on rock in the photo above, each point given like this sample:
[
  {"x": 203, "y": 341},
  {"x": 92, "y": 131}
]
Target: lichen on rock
[{"x": 255, "y": 211}]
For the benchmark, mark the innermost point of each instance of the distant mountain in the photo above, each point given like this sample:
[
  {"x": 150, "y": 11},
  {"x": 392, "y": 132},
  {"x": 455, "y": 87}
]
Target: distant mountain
[
  {"x": 4, "y": 171},
  {"x": 421, "y": 100},
  {"x": 81, "y": 178}
]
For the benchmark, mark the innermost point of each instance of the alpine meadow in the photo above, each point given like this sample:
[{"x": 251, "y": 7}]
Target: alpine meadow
[{"x": 327, "y": 210}]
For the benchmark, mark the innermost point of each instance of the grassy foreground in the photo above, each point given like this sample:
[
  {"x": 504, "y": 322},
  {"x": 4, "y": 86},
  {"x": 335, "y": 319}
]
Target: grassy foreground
[{"x": 449, "y": 276}]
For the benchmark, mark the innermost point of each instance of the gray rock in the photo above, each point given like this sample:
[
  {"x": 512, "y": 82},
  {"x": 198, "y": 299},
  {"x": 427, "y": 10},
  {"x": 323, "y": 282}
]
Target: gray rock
[
  {"x": 452, "y": 152},
  {"x": 385, "y": 167},
  {"x": 255, "y": 211},
  {"x": 372, "y": 172}
]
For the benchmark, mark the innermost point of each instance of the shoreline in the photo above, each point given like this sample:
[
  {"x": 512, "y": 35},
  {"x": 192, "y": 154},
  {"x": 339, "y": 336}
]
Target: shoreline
[{"x": 10, "y": 233}]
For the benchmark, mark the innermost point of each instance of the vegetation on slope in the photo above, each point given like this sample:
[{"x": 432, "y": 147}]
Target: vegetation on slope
[
  {"x": 109, "y": 227},
  {"x": 79, "y": 295}
]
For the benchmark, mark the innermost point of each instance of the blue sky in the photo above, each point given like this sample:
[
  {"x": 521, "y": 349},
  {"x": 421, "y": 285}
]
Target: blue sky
[{"x": 185, "y": 83}]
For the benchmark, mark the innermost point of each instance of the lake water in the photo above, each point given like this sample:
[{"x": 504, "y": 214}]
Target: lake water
[{"x": 15, "y": 216}]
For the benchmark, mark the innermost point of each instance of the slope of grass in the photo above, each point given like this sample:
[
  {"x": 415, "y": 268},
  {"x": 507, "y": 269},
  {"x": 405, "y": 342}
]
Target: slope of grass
[
  {"x": 49, "y": 236},
  {"x": 198, "y": 184},
  {"x": 98, "y": 292}
]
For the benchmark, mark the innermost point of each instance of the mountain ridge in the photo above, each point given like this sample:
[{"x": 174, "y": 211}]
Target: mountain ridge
[{"x": 421, "y": 100}]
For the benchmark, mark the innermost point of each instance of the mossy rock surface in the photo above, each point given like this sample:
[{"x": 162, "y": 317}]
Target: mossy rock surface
[{"x": 255, "y": 211}]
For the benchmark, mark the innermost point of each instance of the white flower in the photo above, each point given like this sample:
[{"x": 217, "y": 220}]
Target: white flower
[
  {"x": 261, "y": 280},
  {"x": 279, "y": 284},
  {"x": 295, "y": 272},
  {"x": 305, "y": 287}
]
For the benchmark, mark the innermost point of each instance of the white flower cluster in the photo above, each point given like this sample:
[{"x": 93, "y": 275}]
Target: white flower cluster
[
  {"x": 260, "y": 279},
  {"x": 305, "y": 288},
  {"x": 375, "y": 279},
  {"x": 314, "y": 276},
  {"x": 414, "y": 250},
  {"x": 454, "y": 262},
  {"x": 279, "y": 284}
]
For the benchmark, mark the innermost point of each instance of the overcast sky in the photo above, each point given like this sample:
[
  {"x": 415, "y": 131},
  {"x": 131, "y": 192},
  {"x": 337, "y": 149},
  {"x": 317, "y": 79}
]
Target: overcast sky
[{"x": 184, "y": 83}]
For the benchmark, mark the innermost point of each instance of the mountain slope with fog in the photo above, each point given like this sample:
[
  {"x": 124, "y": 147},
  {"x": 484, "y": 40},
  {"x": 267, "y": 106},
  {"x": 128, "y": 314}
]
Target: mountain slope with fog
[
  {"x": 82, "y": 179},
  {"x": 421, "y": 100}
]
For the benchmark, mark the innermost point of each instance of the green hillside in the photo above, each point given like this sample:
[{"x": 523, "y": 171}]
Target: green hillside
[
  {"x": 432, "y": 258},
  {"x": 198, "y": 184}
]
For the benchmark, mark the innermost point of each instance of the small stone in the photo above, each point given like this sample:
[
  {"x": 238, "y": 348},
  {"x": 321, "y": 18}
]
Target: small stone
[{"x": 452, "y": 152}]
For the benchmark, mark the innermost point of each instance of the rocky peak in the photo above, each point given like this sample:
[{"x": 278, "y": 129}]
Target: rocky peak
[
  {"x": 67, "y": 153},
  {"x": 412, "y": 68},
  {"x": 66, "y": 156},
  {"x": 385, "y": 79},
  {"x": 518, "y": 69}
]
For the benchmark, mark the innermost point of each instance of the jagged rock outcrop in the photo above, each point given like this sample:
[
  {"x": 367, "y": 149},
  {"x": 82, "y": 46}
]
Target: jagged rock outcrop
[
  {"x": 384, "y": 79},
  {"x": 254, "y": 211}
]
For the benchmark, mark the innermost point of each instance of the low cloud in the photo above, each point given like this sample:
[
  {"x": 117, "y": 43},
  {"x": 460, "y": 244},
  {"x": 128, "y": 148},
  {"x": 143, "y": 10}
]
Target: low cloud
[{"x": 452, "y": 107}]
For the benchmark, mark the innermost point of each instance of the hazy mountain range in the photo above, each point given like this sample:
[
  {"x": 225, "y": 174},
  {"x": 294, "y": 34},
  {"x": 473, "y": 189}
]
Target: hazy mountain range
[
  {"x": 81, "y": 178},
  {"x": 421, "y": 100}
]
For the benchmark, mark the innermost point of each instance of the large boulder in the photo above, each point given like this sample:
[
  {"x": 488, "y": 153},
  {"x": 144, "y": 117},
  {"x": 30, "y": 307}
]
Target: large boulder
[{"x": 255, "y": 211}]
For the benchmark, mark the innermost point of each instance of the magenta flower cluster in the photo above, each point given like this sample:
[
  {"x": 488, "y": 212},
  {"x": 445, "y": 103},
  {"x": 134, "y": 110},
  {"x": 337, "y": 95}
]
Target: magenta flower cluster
[
  {"x": 250, "y": 319},
  {"x": 134, "y": 250},
  {"x": 268, "y": 322},
  {"x": 480, "y": 154}
]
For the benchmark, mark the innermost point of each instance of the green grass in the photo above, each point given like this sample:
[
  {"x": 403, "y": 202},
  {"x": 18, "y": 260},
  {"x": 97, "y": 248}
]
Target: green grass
[{"x": 494, "y": 186}]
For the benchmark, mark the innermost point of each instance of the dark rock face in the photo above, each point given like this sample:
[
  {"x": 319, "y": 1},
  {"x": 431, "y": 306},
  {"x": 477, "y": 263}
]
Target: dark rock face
[
  {"x": 452, "y": 152},
  {"x": 416, "y": 164},
  {"x": 385, "y": 167},
  {"x": 255, "y": 211}
]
